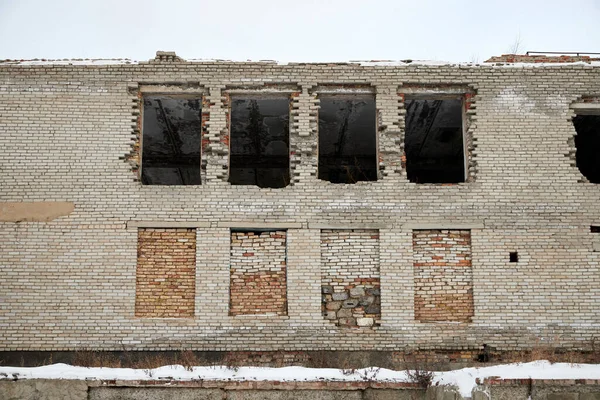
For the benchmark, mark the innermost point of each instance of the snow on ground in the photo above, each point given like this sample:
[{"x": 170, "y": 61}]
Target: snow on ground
[{"x": 464, "y": 378}]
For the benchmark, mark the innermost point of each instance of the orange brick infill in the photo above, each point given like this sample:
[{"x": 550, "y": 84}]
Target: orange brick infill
[
  {"x": 258, "y": 282},
  {"x": 443, "y": 275},
  {"x": 166, "y": 273},
  {"x": 258, "y": 385}
]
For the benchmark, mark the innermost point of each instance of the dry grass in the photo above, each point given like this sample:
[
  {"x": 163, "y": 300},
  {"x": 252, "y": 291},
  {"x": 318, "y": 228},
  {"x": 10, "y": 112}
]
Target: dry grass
[
  {"x": 415, "y": 360},
  {"x": 188, "y": 359},
  {"x": 552, "y": 354},
  {"x": 88, "y": 358},
  {"x": 419, "y": 368}
]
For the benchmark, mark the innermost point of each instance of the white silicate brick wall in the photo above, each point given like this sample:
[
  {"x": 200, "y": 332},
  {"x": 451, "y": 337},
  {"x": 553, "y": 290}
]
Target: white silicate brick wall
[{"x": 66, "y": 135}]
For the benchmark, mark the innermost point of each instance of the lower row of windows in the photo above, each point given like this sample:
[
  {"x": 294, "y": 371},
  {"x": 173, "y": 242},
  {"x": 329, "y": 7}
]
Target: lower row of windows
[{"x": 350, "y": 278}]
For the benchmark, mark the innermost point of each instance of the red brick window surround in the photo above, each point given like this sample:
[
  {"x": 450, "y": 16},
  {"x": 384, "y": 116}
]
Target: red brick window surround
[{"x": 258, "y": 273}]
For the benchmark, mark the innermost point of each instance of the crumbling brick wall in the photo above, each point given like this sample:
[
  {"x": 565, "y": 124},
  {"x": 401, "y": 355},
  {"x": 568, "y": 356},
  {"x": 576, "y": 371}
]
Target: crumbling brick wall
[
  {"x": 67, "y": 131},
  {"x": 166, "y": 273},
  {"x": 258, "y": 273},
  {"x": 443, "y": 275},
  {"x": 350, "y": 276}
]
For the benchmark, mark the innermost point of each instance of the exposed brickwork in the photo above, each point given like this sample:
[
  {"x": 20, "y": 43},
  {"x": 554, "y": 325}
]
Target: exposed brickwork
[
  {"x": 166, "y": 273},
  {"x": 258, "y": 273},
  {"x": 443, "y": 275},
  {"x": 303, "y": 147},
  {"x": 70, "y": 283},
  {"x": 350, "y": 289},
  {"x": 522, "y": 58}
]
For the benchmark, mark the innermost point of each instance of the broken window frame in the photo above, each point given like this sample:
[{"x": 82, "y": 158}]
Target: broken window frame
[
  {"x": 261, "y": 92},
  {"x": 441, "y": 92},
  {"x": 175, "y": 91},
  {"x": 349, "y": 90},
  {"x": 585, "y": 106}
]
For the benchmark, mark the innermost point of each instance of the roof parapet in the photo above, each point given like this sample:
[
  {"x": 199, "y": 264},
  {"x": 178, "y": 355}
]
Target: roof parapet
[
  {"x": 535, "y": 59},
  {"x": 166, "y": 56}
]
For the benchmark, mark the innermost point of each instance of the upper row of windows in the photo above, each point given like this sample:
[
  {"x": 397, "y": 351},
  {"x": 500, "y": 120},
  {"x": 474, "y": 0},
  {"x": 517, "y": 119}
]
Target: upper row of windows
[{"x": 259, "y": 152}]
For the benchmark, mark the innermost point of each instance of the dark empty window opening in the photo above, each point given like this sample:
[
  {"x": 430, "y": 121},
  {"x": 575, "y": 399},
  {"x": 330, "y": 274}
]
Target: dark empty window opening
[
  {"x": 259, "y": 142},
  {"x": 347, "y": 138},
  {"x": 513, "y": 256},
  {"x": 595, "y": 228},
  {"x": 171, "y": 141},
  {"x": 587, "y": 142},
  {"x": 434, "y": 141}
]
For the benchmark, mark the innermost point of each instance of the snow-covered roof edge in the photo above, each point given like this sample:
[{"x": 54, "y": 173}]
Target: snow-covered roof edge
[{"x": 172, "y": 58}]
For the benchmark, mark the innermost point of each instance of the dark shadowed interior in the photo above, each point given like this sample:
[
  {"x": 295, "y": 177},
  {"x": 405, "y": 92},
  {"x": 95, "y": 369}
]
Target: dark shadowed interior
[
  {"x": 259, "y": 142},
  {"x": 171, "y": 141},
  {"x": 434, "y": 141},
  {"x": 347, "y": 138},
  {"x": 587, "y": 142}
]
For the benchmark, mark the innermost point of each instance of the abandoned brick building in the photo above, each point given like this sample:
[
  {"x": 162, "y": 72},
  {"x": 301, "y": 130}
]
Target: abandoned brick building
[{"x": 224, "y": 206}]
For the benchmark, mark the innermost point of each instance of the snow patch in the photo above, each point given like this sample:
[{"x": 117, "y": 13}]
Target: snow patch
[
  {"x": 85, "y": 61},
  {"x": 464, "y": 379}
]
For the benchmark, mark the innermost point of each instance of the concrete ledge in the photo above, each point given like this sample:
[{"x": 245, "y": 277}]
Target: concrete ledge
[
  {"x": 43, "y": 389},
  {"x": 321, "y": 225},
  {"x": 443, "y": 225},
  {"x": 259, "y": 225},
  {"x": 258, "y": 385},
  {"x": 537, "y": 389},
  {"x": 171, "y": 89},
  {"x": 168, "y": 224},
  {"x": 586, "y": 108}
]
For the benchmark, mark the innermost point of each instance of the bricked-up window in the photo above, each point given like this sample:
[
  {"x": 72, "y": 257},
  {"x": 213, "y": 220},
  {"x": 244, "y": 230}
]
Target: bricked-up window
[
  {"x": 347, "y": 138},
  {"x": 587, "y": 142},
  {"x": 171, "y": 130},
  {"x": 258, "y": 277},
  {"x": 350, "y": 280},
  {"x": 166, "y": 273},
  {"x": 434, "y": 143},
  {"x": 443, "y": 275},
  {"x": 259, "y": 141}
]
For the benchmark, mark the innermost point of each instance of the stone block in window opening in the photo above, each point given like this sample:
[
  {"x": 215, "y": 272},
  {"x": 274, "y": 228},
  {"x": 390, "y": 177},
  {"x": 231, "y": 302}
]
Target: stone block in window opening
[
  {"x": 443, "y": 275},
  {"x": 434, "y": 143},
  {"x": 258, "y": 281},
  {"x": 171, "y": 132},
  {"x": 347, "y": 138},
  {"x": 587, "y": 142},
  {"x": 350, "y": 280},
  {"x": 259, "y": 141},
  {"x": 166, "y": 273}
]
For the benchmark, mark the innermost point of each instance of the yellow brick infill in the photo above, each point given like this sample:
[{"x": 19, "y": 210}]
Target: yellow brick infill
[{"x": 165, "y": 277}]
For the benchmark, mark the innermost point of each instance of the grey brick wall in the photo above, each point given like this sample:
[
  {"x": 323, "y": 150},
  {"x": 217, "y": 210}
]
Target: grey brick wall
[{"x": 66, "y": 135}]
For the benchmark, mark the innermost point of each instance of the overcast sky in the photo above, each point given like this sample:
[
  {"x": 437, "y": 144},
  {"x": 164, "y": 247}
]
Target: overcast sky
[{"x": 299, "y": 30}]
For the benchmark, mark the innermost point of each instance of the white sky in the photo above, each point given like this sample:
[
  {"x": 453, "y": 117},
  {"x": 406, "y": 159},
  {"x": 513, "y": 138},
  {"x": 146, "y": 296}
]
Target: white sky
[{"x": 299, "y": 30}]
